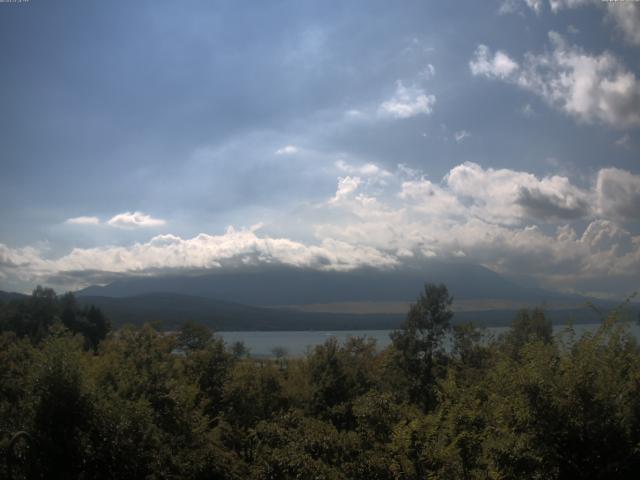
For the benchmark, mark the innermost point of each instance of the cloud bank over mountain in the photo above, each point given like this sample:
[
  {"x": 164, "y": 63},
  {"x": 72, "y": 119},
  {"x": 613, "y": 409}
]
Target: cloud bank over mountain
[{"x": 511, "y": 221}]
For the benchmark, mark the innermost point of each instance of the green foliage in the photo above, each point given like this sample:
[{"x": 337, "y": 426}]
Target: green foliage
[
  {"x": 209, "y": 368},
  {"x": 527, "y": 327},
  {"x": 437, "y": 403},
  {"x": 62, "y": 406},
  {"x": 253, "y": 393},
  {"x": 34, "y": 316},
  {"x": 239, "y": 349},
  {"x": 16, "y": 360},
  {"x": 194, "y": 336},
  {"x": 418, "y": 345}
]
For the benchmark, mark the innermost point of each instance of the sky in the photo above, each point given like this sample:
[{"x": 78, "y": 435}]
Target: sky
[{"x": 151, "y": 137}]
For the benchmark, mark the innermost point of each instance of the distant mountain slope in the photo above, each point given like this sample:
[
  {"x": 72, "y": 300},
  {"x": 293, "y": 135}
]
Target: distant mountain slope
[
  {"x": 254, "y": 299},
  {"x": 171, "y": 310},
  {"x": 7, "y": 296},
  {"x": 290, "y": 286}
]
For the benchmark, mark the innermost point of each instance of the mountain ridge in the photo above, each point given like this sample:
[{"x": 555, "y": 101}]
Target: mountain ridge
[{"x": 291, "y": 286}]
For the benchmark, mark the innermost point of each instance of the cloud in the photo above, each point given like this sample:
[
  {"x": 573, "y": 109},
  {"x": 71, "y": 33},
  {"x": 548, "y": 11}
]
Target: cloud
[
  {"x": 491, "y": 216},
  {"x": 511, "y": 221},
  {"x": 591, "y": 88},
  {"x": 552, "y": 204},
  {"x": 625, "y": 15},
  {"x": 510, "y": 197},
  {"x": 83, "y": 221},
  {"x": 367, "y": 169},
  {"x": 556, "y": 5},
  {"x": 536, "y": 5},
  {"x": 354, "y": 113},
  {"x": 461, "y": 135},
  {"x": 460, "y": 217},
  {"x": 515, "y": 6},
  {"x": 498, "y": 65},
  {"x": 407, "y": 102},
  {"x": 428, "y": 72},
  {"x": 618, "y": 194},
  {"x": 426, "y": 197},
  {"x": 624, "y": 141},
  {"x": 346, "y": 186},
  {"x": 164, "y": 253},
  {"x": 135, "y": 220},
  {"x": 287, "y": 150},
  {"x": 123, "y": 220}
]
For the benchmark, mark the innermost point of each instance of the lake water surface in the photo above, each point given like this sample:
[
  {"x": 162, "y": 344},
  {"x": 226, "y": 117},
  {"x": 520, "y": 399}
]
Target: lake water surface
[{"x": 297, "y": 343}]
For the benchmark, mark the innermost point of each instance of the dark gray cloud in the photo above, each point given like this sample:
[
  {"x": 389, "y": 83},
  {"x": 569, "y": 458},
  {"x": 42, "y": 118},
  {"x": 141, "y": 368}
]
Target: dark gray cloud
[
  {"x": 618, "y": 194},
  {"x": 548, "y": 207}
]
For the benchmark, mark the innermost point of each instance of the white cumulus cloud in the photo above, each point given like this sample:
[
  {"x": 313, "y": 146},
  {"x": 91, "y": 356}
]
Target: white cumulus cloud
[
  {"x": 135, "y": 220},
  {"x": 511, "y": 197},
  {"x": 164, "y": 253},
  {"x": 497, "y": 65},
  {"x": 547, "y": 228},
  {"x": 589, "y": 87},
  {"x": 346, "y": 186},
  {"x": 407, "y": 102},
  {"x": 366, "y": 169}
]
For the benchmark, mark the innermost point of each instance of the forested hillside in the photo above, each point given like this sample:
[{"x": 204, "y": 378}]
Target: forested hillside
[{"x": 135, "y": 403}]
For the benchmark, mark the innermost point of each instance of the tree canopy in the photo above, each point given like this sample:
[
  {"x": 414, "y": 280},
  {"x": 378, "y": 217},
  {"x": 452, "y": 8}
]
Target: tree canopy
[{"x": 439, "y": 402}]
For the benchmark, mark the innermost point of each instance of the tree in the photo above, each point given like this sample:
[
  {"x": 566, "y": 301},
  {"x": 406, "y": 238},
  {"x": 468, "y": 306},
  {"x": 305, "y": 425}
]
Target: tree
[
  {"x": 253, "y": 393},
  {"x": 34, "y": 317},
  {"x": 239, "y": 349},
  {"x": 99, "y": 325},
  {"x": 330, "y": 386},
  {"x": 62, "y": 406},
  {"x": 468, "y": 347},
  {"x": 89, "y": 321},
  {"x": 419, "y": 342},
  {"x": 209, "y": 368},
  {"x": 527, "y": 327},
  {"x": 280, "y": 354},
  {"x": 41, "y": 312},
  {"x": 194, "y": 336}
]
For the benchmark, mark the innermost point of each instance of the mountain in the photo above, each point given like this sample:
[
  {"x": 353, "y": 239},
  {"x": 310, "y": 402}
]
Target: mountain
[
  {"x": 172, "y": 310},
  {"x": 8, "y": 296},
  {"x": 279, "y": 298},
  {"x": 291, "y": 286}
]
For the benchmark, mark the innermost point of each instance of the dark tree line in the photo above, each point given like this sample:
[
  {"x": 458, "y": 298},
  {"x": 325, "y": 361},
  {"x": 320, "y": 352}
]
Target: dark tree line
[
  {"x": 34, "y": 316},
  {"x": 439, "y": 402}
]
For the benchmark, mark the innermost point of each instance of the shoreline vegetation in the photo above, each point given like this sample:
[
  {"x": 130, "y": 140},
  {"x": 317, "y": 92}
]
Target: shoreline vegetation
[{"x": 132, "y": 402}]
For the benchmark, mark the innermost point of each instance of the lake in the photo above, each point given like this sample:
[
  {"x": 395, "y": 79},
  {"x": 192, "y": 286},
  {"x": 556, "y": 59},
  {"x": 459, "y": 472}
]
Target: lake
[{"x": 297, "y": 343}]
